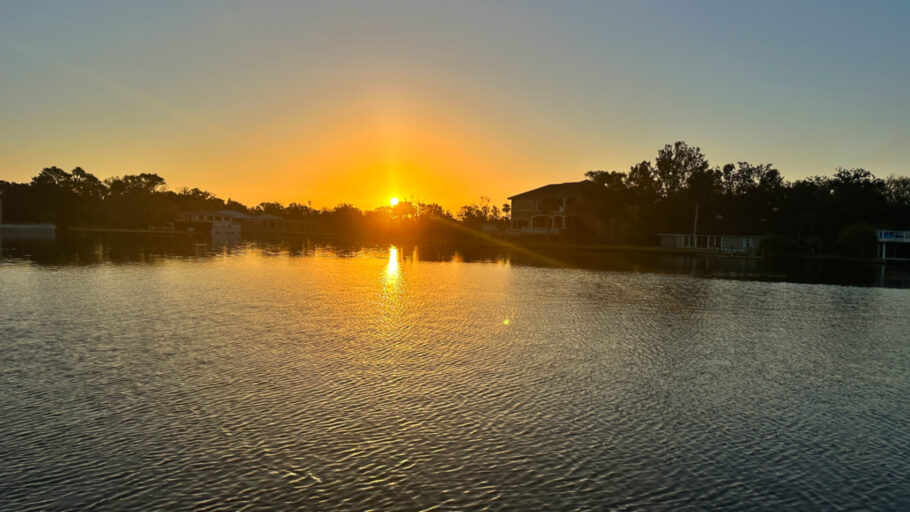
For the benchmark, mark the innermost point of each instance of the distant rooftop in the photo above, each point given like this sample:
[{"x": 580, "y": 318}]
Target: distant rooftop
[
  {"x": 570, "y": 189},
  {"x": 234, "y": 214}
]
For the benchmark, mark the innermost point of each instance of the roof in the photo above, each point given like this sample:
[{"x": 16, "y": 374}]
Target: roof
[
  {"x": 234, "y": 214},
  {"x": 570, "y": 189}
]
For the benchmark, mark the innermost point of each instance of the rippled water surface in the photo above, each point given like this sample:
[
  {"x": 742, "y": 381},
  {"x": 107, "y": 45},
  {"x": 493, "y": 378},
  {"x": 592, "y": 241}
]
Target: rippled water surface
[{"x": 370, "y": 379}]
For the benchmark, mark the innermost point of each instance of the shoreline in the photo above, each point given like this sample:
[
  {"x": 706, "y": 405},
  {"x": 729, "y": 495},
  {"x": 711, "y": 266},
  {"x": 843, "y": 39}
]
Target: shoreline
[{"x": 508, "y": 243}]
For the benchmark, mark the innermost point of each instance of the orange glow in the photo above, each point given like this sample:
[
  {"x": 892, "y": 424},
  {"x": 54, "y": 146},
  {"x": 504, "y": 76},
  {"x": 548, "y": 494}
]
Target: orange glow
[
  {"x": 362, "y": 146},
  {"x": 393, "y": 201},
  {"x": 392, "y": 270}
]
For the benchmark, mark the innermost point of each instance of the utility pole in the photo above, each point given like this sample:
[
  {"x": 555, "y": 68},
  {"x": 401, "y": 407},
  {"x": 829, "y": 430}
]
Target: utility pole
[{"x": 695, "y": 230}]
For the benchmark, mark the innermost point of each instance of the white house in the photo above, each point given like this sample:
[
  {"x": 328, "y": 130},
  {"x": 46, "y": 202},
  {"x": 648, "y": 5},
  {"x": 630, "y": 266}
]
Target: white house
[{"x": 231, "y": 223}]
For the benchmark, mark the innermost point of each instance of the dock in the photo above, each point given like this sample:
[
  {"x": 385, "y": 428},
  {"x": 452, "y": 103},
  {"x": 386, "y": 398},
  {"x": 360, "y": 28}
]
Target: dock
[{"x": 37, "y": 231}]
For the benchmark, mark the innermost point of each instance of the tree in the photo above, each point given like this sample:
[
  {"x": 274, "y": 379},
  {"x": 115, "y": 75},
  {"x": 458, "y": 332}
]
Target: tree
[
  {"x": 745, "y": 178},
  {"x": 135, "y": 184},
  {"x": 897, "y": 190},
  {"x": 52, "y": 177},
  {"x": 860, "y": 195},
  {"x": 476, "y": 214},
  {"x": 86, "y": 184},
  {"x": 642, "y": 182},
  {"x": 53, "y": 196},
  {"x": 432, "y": 211},
  {"x": 610, "y": 180},
  {"x": 675, "y": 164},
  {"x": 346, "y": 218},
  {"x": 271, "y": 208},
  {"x": 704, "y": 185},
  {"x": 294, "y": 210},
  {"x": 230, "y": 204}
]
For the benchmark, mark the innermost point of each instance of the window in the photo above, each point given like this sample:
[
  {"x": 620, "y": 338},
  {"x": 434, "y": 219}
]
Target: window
[
  {"x": 523, "y": 204},
  {"x": 542, "y": 222}
]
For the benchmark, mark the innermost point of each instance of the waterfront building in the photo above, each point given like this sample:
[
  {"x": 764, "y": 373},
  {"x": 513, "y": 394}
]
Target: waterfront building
[
  {"x": 893, "y": 244},
  {"x": 231, "y": 223},
  {"x": 737, "y": 244},
  {"x": 548, "y": 209}
]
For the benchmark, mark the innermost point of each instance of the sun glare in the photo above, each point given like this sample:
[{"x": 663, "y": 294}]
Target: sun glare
[{"x": 393, "y": 201}]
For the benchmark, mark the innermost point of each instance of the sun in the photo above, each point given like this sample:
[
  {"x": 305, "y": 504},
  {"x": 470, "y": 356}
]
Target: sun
[{"x": 393, "y": 201}]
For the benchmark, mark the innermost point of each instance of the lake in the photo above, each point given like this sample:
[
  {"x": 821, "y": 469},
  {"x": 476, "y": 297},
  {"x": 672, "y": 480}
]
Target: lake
[{"x": 153, "y": 373}]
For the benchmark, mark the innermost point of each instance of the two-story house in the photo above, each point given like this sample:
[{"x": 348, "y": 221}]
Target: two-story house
[{"x": 548, "y": 209}]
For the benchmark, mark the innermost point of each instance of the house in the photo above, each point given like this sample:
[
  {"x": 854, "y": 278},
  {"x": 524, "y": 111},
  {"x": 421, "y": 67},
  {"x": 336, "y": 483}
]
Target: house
[
  {"x": 234, "y": 223},
  {"x": 548, "y": 209},
  {"x": 739, "y": 244},
  {"x": 217, "y": 224}
]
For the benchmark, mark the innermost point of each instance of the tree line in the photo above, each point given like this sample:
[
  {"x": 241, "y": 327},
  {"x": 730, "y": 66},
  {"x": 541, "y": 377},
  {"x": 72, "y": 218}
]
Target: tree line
[
  {"x": 139, "y": 201},
  {"x": 837, "y": 213}
]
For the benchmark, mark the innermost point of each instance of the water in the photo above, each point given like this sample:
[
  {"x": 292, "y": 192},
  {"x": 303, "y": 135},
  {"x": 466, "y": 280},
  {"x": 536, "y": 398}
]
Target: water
[{"x": 343, "y": 378}]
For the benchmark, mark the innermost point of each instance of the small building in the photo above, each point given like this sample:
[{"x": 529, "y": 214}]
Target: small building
[
  {"x": 216, "y": 223},
  {"x": 893, "y": 244},
  {"x": 548, "y": 209},
  {"x": 736, "y": 244},
  {"x": 234, "y": 223}
]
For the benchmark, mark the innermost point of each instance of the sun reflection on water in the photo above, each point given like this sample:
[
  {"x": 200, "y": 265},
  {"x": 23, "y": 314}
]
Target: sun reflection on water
[
  {"x": 392, "y": 302},
  {"x": 392, "y": 281},
  {"x": 392, "y": 268}
]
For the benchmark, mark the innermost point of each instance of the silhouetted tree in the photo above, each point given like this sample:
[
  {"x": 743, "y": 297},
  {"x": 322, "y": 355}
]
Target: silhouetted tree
[{"x": 675, "y": 164}]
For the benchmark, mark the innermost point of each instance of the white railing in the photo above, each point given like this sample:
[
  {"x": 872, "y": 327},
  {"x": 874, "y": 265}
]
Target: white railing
[{"x": 885, "y": 235}]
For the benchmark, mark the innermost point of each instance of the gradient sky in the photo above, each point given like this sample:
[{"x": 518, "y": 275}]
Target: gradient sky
[{"x": 444, "y": 102}]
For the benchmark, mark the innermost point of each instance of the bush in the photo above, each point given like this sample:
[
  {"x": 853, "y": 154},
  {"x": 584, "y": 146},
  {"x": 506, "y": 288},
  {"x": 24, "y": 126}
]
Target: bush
[{"x": 857, "y": 239}]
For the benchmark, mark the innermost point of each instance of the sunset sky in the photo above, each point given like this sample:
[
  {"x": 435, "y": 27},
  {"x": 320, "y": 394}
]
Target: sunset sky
[{"x": 445, "y": 101}]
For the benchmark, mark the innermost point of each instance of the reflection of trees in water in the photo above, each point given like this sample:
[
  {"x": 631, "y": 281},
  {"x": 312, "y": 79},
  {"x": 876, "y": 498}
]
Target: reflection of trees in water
[
  {"x": 82, "y": 249},
  {"x": 96, "y": 248}
]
